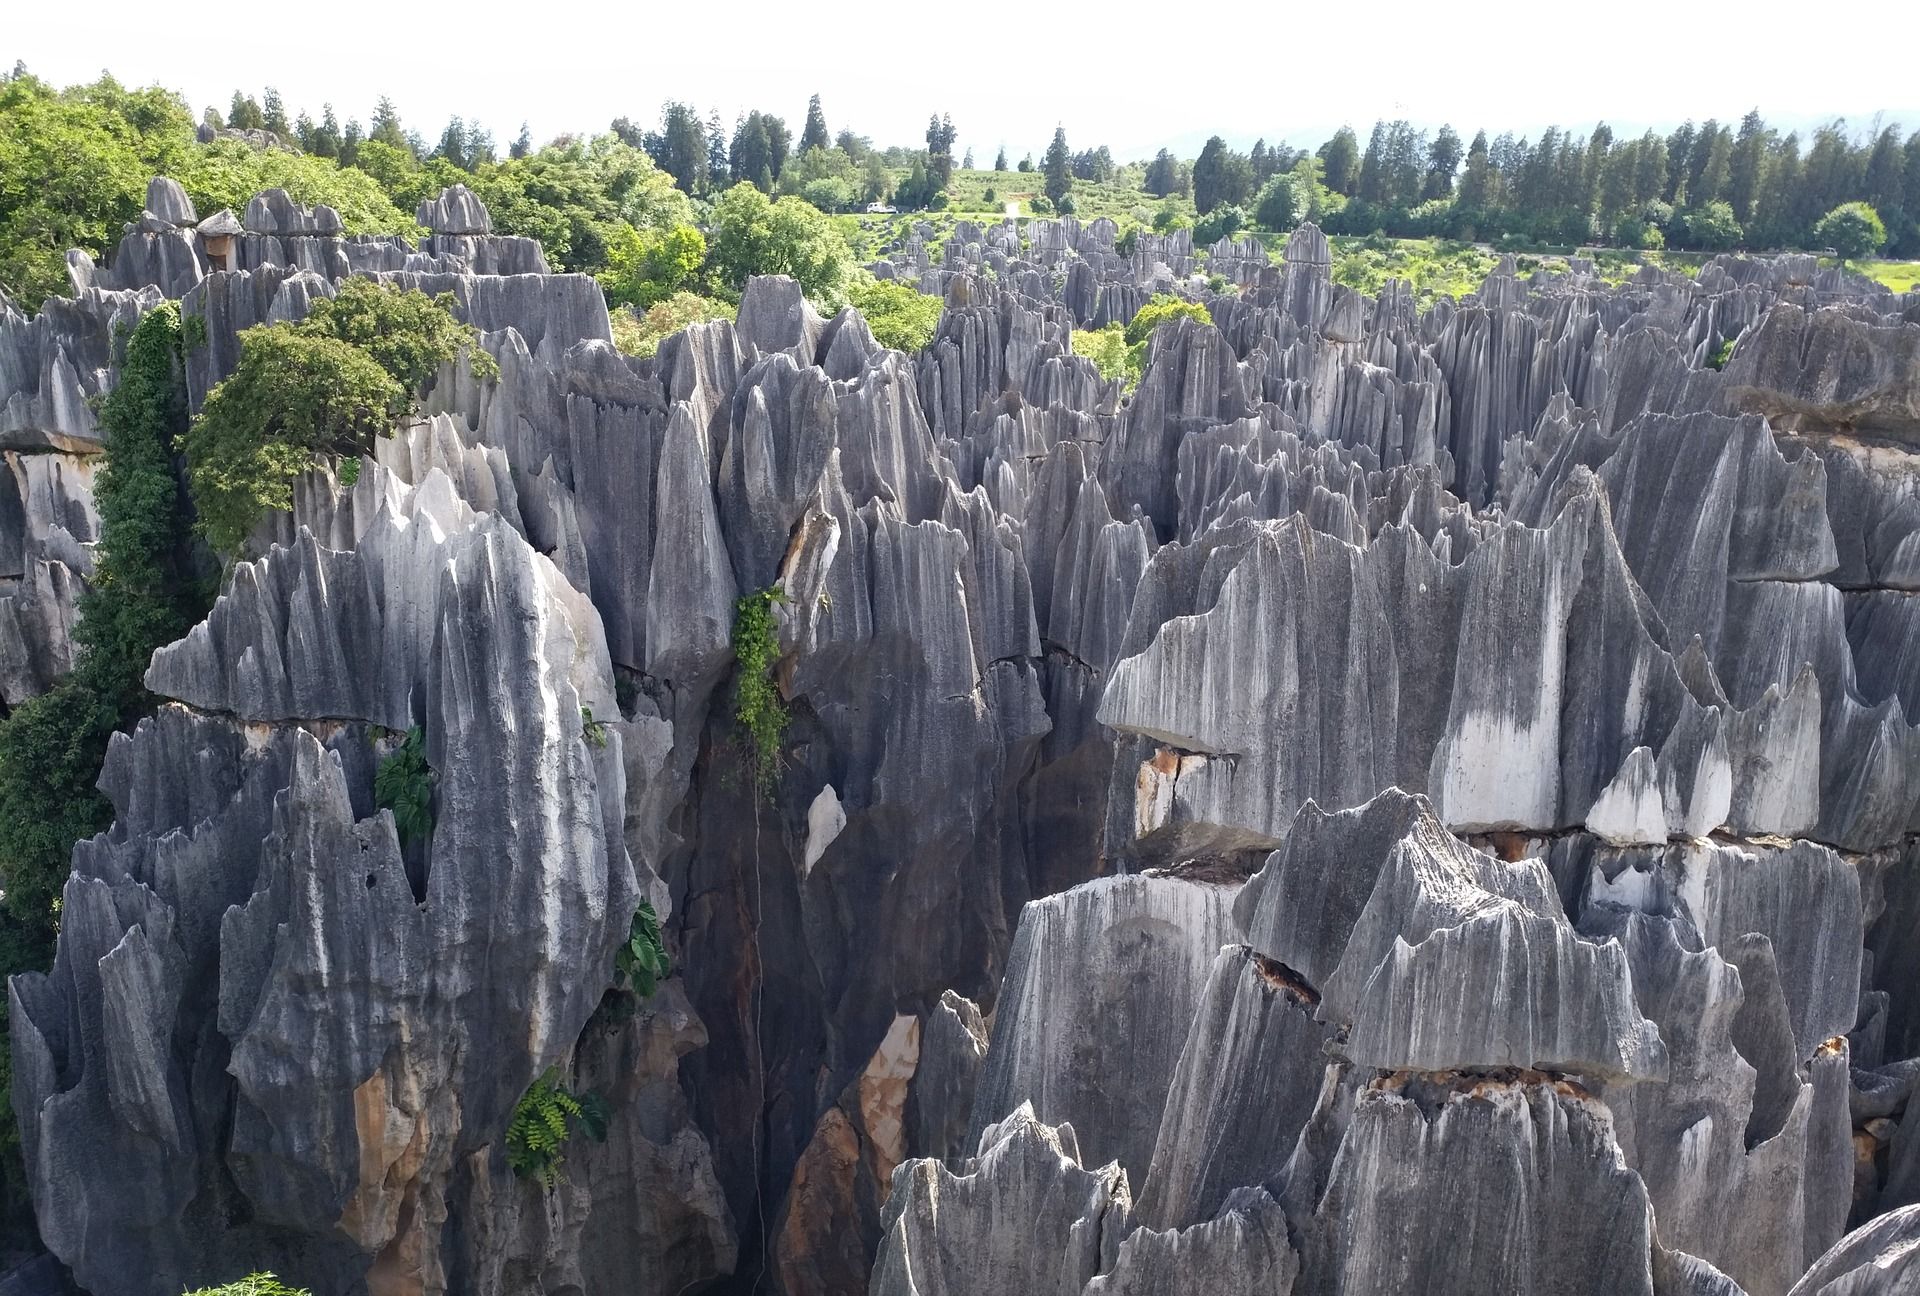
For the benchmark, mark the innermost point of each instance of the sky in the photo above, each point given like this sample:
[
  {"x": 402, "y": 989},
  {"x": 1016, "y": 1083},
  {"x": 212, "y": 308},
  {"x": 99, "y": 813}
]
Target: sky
[{"x": 1133, "y": 79}]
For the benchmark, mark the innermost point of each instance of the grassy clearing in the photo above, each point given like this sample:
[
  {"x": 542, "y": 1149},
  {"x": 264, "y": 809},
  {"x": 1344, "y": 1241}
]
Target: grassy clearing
[{"x": 1895, "y": 276}]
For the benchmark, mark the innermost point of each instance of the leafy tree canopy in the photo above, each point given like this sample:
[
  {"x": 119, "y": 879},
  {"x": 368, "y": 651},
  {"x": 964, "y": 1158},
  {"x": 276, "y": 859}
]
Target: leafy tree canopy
[
  {"x": 1852, "y": 230},
  {"x": 751, "y": 235}
]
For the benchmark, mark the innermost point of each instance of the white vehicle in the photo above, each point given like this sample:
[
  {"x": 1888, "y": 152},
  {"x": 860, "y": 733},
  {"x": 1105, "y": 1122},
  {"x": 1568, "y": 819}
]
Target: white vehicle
[{"x": 881, "y": 209}]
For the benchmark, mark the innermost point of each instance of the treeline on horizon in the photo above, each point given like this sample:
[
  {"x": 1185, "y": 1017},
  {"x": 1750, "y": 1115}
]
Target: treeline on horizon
[{"x": 73, "y": 165}]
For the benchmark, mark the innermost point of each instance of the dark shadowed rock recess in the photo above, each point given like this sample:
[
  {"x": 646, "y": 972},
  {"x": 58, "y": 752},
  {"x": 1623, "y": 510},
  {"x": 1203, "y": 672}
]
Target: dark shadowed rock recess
[{"x": 1398, "y": 802}]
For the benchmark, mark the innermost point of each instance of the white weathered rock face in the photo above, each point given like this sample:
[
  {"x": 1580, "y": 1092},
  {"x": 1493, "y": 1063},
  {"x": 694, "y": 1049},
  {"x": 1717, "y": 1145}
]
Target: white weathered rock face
[{"x": 1113, "y": 850}]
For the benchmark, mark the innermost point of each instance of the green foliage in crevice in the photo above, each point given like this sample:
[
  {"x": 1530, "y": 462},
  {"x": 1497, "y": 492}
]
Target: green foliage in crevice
[
  {"x": 759, "y": 712},
  {"x": 594, "y": 731},
  {"x": 403, "y": 783},
  {"x": 547, "y": 1114},
  {"x": 642, "y": 962},
  {"x": 144, "y": 594},
  {"x": 256, "y": 1284}
]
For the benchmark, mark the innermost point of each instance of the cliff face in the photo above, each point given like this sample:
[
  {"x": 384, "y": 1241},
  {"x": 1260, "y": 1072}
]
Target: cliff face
[{"x": 1386, "y": 753}]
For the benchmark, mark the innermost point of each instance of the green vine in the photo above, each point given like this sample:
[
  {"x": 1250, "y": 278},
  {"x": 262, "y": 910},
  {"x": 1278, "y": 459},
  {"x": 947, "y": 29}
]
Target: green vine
[
  {"x": 349, "y": 474},
  {"x": 758, "y": 709},
  {"x": 593, "y": 730},
  {"x": 404, "y": 784},
  {"x": 547, "y": 1114},
  {"x": 642, "y": 961}
]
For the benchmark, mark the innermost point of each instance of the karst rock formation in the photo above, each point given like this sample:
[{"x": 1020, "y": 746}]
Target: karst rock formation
[{"x": 1402, "y": 801}]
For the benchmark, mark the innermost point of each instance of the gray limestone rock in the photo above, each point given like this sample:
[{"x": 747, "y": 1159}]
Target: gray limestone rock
[
  {"x": 1879, "y": 1259},
  {"x": 169, "y": 202},
  {"x": 1247, "y": 1082},
  {"x": 1536, "y": 1195},
  {"x": 1024, "y": 1216},
  {"x": 457, "y": 210},
  {"x": 1113, "y": 968},
  {"x": 1243, "y": 1249}
]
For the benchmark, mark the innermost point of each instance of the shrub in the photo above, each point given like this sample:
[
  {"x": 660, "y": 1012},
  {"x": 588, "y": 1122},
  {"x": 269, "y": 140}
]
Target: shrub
[
  {"x": 404, "y": 331},
  {"x": 900, "y": 316},
  {"x": 1106, "y": 347},
  {"x": 1162, "y": 308},
  {"x": 758, "y": 710},
  {"x": 1066, "y": 205},
  {"x": 546, "y": 1115},
  {"x": 940, "y": 201},
  {"x": 592, "y": 730},
  {"x": 1168, "y": 217},
  {"x": 645, "y": 267},
  {"x": 1040, "y": 205},
  {"x": 403, "y": 783},
  {"x": 989, "y": 196},
  {"x": 1711, "y": 227},
  {"x": 642, "y": 960},
  {"x": 1223, "y": 221},
  {"x": 641, "y": 335},
  {"x": 258, "y": 1284},
  {"x": 1853, "y": 230}
]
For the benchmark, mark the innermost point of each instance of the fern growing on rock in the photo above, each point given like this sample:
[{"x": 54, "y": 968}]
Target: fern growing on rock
[
  {"x": 547, "y": 1114},
  {"x": 404, "y": 784},
  {"x": 642, "y": 961},
  {"x": 758, "y": 710}
]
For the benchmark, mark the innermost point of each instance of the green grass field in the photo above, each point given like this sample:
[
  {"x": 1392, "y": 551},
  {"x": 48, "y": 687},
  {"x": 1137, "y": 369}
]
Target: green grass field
[{"x": 1897, "y": 276}]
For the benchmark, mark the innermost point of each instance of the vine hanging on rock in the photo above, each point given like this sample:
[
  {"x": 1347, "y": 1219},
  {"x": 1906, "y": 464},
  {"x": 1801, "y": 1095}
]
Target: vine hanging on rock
[{"x": 758, "y": 709}]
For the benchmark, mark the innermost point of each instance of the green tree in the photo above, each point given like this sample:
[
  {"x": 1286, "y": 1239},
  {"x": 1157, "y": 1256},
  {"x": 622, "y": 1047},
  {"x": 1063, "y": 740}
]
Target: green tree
[
  {"x": 649, "y": 266},
  {"x": 1000, "y": 159},
  {"x": 404, "y": 331},
  {"x": 751, "y": 157},
  {"x": 273, "y": 114},
  {"x": 1340, "y": 161},
  {"x": 1443, "y": 159},
  {"x": 292, "y": 397},
  {"x": 680, "y": 147},
  {"x": 750, "y": 235},
  {"x": 1278, "y": 207},
  {"x": 1163, "y": 175},
  {"x": 1853, "y": 230},
  {"x": 227, "y": 173},
  {"x": 328, "y": 385},
  {"x": 1710, "y": 228},
  {"x": 243, "y": 113},
  {"x": 940, "y": 137},
  {"x": 814, "y": 134},
  {"x": 1223, "y": 221},
  {"x": 1056, "y": 165},
  {"x": 73, "y": 169},
  {"x": 1221, "y": 176},
  {"x": 900, "y": 317},
  {"x": 386, "y": 125}
]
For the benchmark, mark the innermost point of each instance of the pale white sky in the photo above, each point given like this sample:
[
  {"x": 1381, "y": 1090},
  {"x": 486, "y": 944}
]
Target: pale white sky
[{"x": 1135, "y": 78}]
